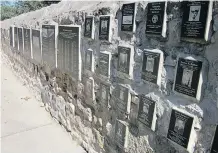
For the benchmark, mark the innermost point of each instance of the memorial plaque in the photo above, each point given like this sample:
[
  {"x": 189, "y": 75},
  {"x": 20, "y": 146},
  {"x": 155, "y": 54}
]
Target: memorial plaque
[
  {"x": 214, "y": 148},
  {"x": 128, "y": 17},
  {"x": 123, "y": 99},
  {"x": 104, "y": 63},
  {"x": 27, "y": 44},
  {"x": 156, "y": 19},
  {"x": 104, "y": 28},
  {"x": 69, "y": 56},
  {"x": 89, "y": 60},
  {"x": 36, "y": 45},
  {"x": 15, "y": 38},
  {"x": 152, "y": 66},
  {"x": 11, "y": 37},
  {"x": 121, "y": 134},
  {"x": 124, "y": 59},
  {"x": 194, "y": 22},
  {"x": 180, "y": 128},
  {"x": 48, "y": 45},
  {"x": 20, "y": 38},
  {"x": 187, "y": 77},
  {"x": 147, "y": 112},
  {"x": 89, "y": 27},
  {"x": 104, "y": 94},
  {"x": 90, "y": 87}
]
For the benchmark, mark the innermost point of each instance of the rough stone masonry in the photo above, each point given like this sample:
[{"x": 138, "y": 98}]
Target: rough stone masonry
[{"x": 165, "y": 100}]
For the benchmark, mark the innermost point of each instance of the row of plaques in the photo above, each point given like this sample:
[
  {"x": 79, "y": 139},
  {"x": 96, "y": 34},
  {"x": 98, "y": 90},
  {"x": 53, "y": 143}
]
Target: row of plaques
[
  {"x": 188, "y": 77},
  {"x": 195, "y": 23},
  {"x": 197, "y": 16},
  {"x": 180, "y": 131},
  {"x": 40, "y": 45}
]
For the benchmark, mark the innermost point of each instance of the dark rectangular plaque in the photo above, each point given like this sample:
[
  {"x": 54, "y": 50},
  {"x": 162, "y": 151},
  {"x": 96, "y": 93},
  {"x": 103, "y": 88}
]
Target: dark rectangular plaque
[
  {"x": 146, "y": 110},
  {"x": 128, "y": 17},
  {"x": 89, "y": 87},
  {"x": 214, "y": 148},
  {"x": 11, "y": 37},
  {"x": 48, "y": 45},
  {"x": 69, "y": 49},
  {"x": 121, "y": 136},
  {"x": 104, "y": 94},
  {"x": 150, "y": 66},
  {"x": 88, "y": 60},
  {"x": 180, "y": 128},
  {"x": 122, "y": 97},
  {"x": 187, "y": 77},
  {"x": 27, "y": 45},
  {"x": 194, "y": 19},
  {"x": 155, "y": 18},
  {"x": 104, "y": 64},
  {"x": 88, "y": 31},
  {"x": 124, "y": 59},
  {"x": 20, "y": 38},
  {"x": 36, "y": 45},
  {"x": 15, "y": 38},
  {"x": 104, "y": 28}
]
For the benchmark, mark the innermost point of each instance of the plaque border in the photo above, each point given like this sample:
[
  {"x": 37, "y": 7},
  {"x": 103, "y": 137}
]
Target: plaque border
[
  {"x": 109, "y": 64},
  {"x": 192, "y": 136},
  {"x": 93, "y": 27},
  {"x": 164, "y": 25},
  {"x": 160, "y": 68},
  {"x": 79, "y": 51},
  {"x": 109, "y": 32},
  {"x": 56, "y": 41},
  {"x": 12, "y": 26},
  {"x": 125, "y": 136},
  {"x": 16, "y": 49},
  {"x": 92, "y": 67},
  {"x": 40, "y": 32},
  {"x": 30, "y": 57},
  {"x": 22, "y": 39},
  {"x": 128, "y": 105},
  {"x": 131, "y": 62},
  {"x": 207, "y": 27},
  {"x": 134, "y": 20},
  {"x": 200, "y": 82},
  {"x": 100, "y": 89},
  {"x": 91, "y": 97},
  {"x": 154, "y": 118}
]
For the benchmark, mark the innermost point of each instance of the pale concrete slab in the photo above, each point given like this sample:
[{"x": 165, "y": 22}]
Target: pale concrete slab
[{"x": 25, "y": 126}]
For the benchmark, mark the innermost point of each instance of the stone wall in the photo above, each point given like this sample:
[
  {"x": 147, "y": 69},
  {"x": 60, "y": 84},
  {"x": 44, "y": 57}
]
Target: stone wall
[{"x": 89, "y": 121}]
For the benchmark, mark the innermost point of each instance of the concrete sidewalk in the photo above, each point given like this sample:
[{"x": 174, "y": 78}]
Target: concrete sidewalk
[{"x": 25, "y": 126}]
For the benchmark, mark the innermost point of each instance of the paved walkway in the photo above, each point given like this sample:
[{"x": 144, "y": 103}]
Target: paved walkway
[{"x": 25, "y": 126}]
